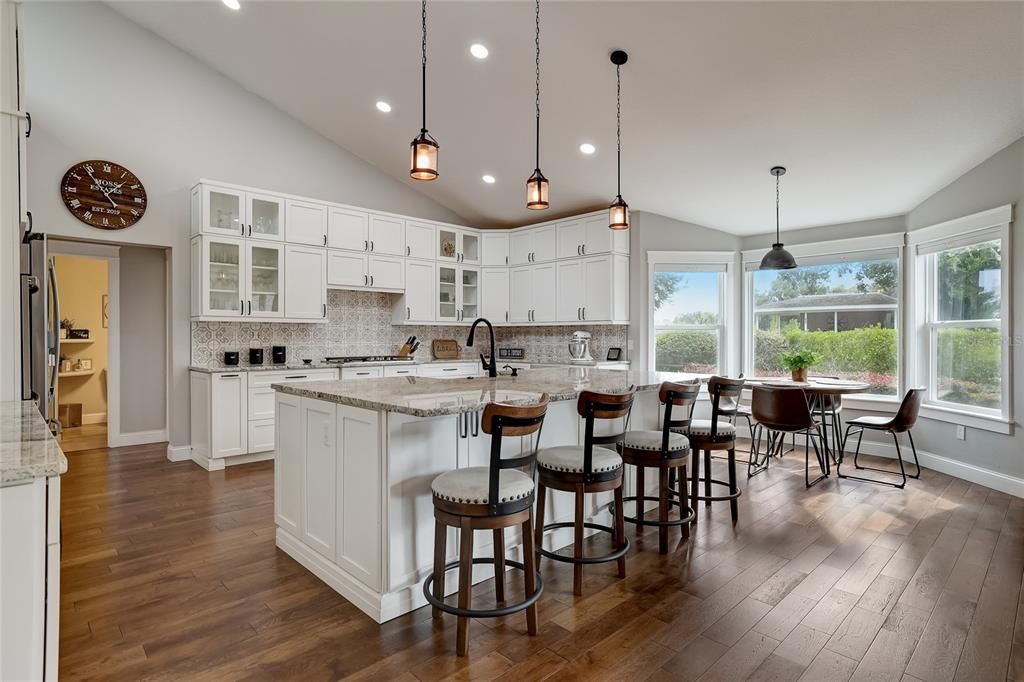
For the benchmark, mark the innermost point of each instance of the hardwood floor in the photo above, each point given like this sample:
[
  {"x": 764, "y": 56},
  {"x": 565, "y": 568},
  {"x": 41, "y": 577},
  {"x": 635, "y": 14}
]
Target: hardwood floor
[
  {"x": 85, "y": 437},
  {"x": 170, "y": 572}
]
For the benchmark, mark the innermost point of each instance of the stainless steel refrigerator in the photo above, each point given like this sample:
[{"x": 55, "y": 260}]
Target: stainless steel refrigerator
[{"x": 40, "y": 327}]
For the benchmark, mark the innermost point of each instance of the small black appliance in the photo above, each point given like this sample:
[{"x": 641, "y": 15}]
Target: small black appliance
[
  {"x": 231, "y": 357},
  {"x": 255, "y": 356},
  {"x": 278, "y": 355}
]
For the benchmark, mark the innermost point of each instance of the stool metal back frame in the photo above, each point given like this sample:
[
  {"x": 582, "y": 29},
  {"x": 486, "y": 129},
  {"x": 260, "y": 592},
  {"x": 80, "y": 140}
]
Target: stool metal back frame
[
  {"x": 591, "y": 406},
  {"x": 500, "y": 421},
  {"x": 719, "y": 388},
  {"x": 782, "y": 410},
  {"x": 679, "y": 398},
  {"x": 902, "y": 422}
]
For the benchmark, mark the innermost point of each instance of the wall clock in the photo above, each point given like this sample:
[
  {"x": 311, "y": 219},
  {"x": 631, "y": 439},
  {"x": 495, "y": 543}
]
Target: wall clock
[{"x": 103, "y": 194}]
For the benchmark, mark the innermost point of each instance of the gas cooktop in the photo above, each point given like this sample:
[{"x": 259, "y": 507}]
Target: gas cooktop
[{"x": 347, "y": 359}]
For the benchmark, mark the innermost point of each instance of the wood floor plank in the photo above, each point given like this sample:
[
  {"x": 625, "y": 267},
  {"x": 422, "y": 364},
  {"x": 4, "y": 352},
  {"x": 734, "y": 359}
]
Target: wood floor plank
[{"x": 938, "y": 652}]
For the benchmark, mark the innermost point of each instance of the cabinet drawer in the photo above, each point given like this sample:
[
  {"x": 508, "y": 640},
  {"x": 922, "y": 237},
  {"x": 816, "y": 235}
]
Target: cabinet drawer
[
  {"x": 261, "y": 433},
  {"x": 362, "y": 372},
  {"x": 400, "y": 371},
  {"x": 261, "y": 403},
  {"x": 260, "y": 379},
  {"x": 462, "y": 369}
]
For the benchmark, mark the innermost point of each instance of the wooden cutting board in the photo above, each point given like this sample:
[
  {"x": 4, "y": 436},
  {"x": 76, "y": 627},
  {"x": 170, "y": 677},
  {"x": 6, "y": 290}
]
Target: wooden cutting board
[{"x": 445, "y": 349}]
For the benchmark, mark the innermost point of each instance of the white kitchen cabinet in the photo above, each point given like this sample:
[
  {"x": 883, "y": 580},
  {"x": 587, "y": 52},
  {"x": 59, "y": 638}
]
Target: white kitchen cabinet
[
  {"x": 458, "y": 245},
  {"x": 262, "y": 433},
  {"x": 606, "y": 288},
  {"x": 347, "y": 270},
  {"x": 348, "y": 229},
  {"x": 350, "y": 373},
  {"x": 320, "y": 428},
  {"x": 442, "y": 370},
  {"x": 535, "y": 245},
  {"x": 305, "y": 288},
  {"x": 289, "y": 467},
  {"x": 264, "y": 217},
  {"x": 571, "y": 290},
  {"x": 305, "y": 222},
  {"x": 228, "y": 211},
  {"x": 598, "y": 239},
  {"x": 570, "y": 238},
  {"x": 533, "y": 295},
  {"x": 417, "y": 304},
  {"x": 358, "y": 480},
  {"x": 458, "y": 293},
  {"x": 218, "y": 276},
  {"x": 400, "y": 370},
  {"x": 264, "y": 279},
  {"x": 387, "y": 235},
  {"x": 495, "y": 248},
  {"x": 419, "y": 240},
  {"x": 495, "y": 306},
  {"x": 229, "y": 414}
]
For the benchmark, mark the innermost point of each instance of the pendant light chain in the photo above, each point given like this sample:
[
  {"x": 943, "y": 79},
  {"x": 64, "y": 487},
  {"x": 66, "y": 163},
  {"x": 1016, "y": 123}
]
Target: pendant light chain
[
  {"x": 537, "y": 61},
  {"x": 618, "y": 128},
  {"x": 777, "y": 209},
  {"x": 424, "y": 15}
]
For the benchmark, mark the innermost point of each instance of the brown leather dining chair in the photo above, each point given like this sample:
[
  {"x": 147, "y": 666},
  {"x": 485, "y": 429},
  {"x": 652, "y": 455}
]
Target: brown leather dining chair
[
  {"x": 902, "y": 422},
  {"x": 781, "y": 411}
]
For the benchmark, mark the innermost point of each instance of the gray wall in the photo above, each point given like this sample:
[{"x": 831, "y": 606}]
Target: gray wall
[
  {"x": 653, "y": 232},
  {"x": 997, "y": 181},
  {"x": 177, "y": 122},
  {"x": 143, "y": 317},
  {"x": 863, "y": 228}
]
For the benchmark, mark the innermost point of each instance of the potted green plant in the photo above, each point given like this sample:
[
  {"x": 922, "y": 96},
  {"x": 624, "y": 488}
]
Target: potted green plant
[
  {"x": 66, "y": 325},
  {"x": 797, "y": 362}
]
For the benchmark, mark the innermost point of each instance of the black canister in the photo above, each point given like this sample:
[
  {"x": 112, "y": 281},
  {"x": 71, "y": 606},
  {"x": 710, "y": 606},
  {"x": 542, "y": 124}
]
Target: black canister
[
  {"x": 278, "y": 355},
  {"x": 255, "y": 356},
  {"x": 231, "y": 357}
]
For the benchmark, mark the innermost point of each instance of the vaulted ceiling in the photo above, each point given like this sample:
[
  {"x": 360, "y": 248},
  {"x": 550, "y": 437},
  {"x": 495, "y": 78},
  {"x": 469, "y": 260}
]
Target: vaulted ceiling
[{"x": 872, "y": 106}]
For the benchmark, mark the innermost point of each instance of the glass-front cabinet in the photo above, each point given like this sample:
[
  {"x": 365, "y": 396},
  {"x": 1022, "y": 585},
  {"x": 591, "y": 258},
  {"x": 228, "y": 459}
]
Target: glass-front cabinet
[
  {"x": 223, "y": 273},
  {"x": 458, "y": 293},
  {"x": 265, "y": 265},
  {"x": 236, "y": 213},
  {"x": 457, "y": 246},
  {"x": 265, "y": 218},
  {"x": 223, "y": 211}
]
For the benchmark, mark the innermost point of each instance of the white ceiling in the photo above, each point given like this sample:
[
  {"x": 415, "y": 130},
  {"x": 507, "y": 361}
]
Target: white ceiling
[{"x": 871, "y": 106}]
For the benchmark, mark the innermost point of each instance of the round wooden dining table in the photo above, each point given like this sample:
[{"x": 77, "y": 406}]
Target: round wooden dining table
[{"x": 817, "y": 387}]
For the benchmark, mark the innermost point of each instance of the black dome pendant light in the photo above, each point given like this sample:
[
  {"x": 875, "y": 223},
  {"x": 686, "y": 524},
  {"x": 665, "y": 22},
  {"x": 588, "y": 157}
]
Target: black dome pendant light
[
  {"x": 537, "y": 184},
  {"x": 618, "y": 212},
  {"x": 778, "y": 258},
  {"x": 424, "y": 148}
]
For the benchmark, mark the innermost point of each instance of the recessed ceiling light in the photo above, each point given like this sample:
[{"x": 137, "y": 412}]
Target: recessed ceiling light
[
  {"x": 233, "y": 4},
  {"x": 587, "y": 148},
  {"x": 489, "y": 179},
  {"x": 478, "y": 51},
  {"x": 383, "y": 106}
]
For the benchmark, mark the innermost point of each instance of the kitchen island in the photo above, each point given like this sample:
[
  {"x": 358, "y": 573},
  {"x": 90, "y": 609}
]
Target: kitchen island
[{"x": 355, "y": 460}]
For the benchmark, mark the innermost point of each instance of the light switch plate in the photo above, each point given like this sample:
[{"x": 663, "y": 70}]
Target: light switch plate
[{"x": 961, "y": 432}]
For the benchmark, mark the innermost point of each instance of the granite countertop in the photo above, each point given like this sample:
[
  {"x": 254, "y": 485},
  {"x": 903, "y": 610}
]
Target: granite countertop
[
  {"x": 430, "y": 397},
  {"x": 293, "y": 366},
  {"x": 27, "y": 448}
]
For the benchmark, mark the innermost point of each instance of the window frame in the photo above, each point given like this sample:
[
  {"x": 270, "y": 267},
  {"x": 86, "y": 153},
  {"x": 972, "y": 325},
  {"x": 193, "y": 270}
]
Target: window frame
[
  {"x": 699, "y": 261},
  {"x": 852, "y": 249},
  {"x": 991, "y": 225}
]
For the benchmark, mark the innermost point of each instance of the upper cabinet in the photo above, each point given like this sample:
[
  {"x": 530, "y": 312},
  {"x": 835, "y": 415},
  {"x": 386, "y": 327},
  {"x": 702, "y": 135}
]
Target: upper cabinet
[
  {"x": 305, "y": 222},
  {"x": 419, "y": 240},
  {"x": 457, "y": 246},
  {"x": 236, "y": 213},
  {"x": 387, "y": 235},
  {"x": 536, "y": 245},
  {"x": 590, "y": 237},
  {"x": 348, "y": 229},
  {"x": 237, "y": 278},
  {"x": 495, "y": 248},
  {"x": 305, "y": 288}
]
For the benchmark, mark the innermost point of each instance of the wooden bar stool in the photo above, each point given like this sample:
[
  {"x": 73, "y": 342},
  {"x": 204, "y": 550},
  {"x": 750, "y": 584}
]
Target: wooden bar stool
[
  {"x": 583, "y": 469},
  {"x": 711, "y": 435},
  {"x": 493, "y": 497},
  {"x": 667, "y": 451}
]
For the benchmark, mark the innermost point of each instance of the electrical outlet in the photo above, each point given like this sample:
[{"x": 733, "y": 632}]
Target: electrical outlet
[{"x": 961, "y": 432}]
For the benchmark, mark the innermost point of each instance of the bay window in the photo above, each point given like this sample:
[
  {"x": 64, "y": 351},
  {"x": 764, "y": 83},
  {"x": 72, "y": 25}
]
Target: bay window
[
  {"x": 689, "y": 310},
  {"x": 961, "y": 308}
]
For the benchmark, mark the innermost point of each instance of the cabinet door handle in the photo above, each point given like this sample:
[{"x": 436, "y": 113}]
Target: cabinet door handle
[
  {"x": 325, "y": 239},
  {"x": 371, "y": 280},
  {"x": 579, "y": 313},
  {"x": 371, "y": 245},
  {"x": 241, "y": 306},
  {"x": 506, "y": 316},
  {"x": 366, "y": 245},
  {"x": 228, "y": 376},
  {"x": 506, "y": 260},
  {"x": 584, "y": 248},
  {"x": 408, "y": 250},
  {"x": 578, "y": 252},
  {"x": 366, "y": 280},
  {"x": 408, "y": 312},
  {"x": 475, "y": 418},
  {"x": 584, "y": 312},
  {"x": 449, "y": 369},
  {"x": 297, "y": 376},
  {"x": 250, "y": 308},
  {"x": 325, "y": 309}
]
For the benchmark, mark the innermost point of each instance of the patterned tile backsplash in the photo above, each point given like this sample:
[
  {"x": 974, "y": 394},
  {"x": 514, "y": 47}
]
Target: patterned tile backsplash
[{"x": 359, "y": 323}]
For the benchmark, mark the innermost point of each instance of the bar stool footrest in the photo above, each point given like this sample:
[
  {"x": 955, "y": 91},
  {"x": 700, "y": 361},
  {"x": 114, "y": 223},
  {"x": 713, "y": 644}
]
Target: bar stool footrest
[
  {"x": 428, "y": 584},
  {"x": 682, "y": 521},
  {"x": 617, "y": 554},
  {"x": 712, "y": 498}
]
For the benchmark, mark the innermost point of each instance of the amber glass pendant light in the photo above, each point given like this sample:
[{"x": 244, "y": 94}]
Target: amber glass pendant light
[
  {"x": 537, "y": 184},
  {"x": 618, "y": 212},
  {"x": 423, "y": 165}
]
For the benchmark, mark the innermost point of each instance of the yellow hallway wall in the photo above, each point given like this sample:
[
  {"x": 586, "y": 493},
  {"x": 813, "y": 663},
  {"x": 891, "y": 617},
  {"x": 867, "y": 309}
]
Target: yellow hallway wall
[{"x": 82, "y": 283}]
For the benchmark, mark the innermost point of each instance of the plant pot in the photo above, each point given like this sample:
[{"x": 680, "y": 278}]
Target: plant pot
[{"x": 800, "y": 375}]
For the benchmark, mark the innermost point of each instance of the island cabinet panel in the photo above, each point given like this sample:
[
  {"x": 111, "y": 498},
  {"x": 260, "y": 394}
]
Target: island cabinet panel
[
  {"x": 320, "y": 428},
  {"x": 289, "y": 463},
  {"x": 359, "y": 485},
  {"x": 419, "y": 450}
]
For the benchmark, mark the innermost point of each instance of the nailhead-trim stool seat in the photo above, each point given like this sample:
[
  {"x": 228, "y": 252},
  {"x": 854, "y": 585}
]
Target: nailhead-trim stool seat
[
  {"x": 493, "y": 498},
  {"x": 710, "y": 435},
  {"x": 666, "y": 451},
  {"x": 588, "y": 468}
]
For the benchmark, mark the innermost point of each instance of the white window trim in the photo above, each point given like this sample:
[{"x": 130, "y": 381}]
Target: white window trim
[
  {"x": 919, "y": 353},
  {"x": 839, "y": 247},
  {"x": 728, "y": 350}
]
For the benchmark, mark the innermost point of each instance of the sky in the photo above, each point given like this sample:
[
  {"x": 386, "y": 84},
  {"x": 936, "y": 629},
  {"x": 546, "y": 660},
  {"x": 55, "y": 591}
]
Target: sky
[{"x": 696, "y": 291}]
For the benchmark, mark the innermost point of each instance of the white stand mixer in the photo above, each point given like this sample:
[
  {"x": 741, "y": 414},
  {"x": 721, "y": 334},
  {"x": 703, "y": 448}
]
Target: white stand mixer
[{"x": 579, "y": 348}]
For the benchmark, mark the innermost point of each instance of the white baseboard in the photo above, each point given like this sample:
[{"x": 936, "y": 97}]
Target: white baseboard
[
  {"x": 179, "y": 453},
  {"x": 208, "y": 463},
  {"x": 247, "y": 459},
  {"x": 1011, "y": 485},
  {"x": 95, "y": 418},
  {"x": 137, "y": 438}
]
